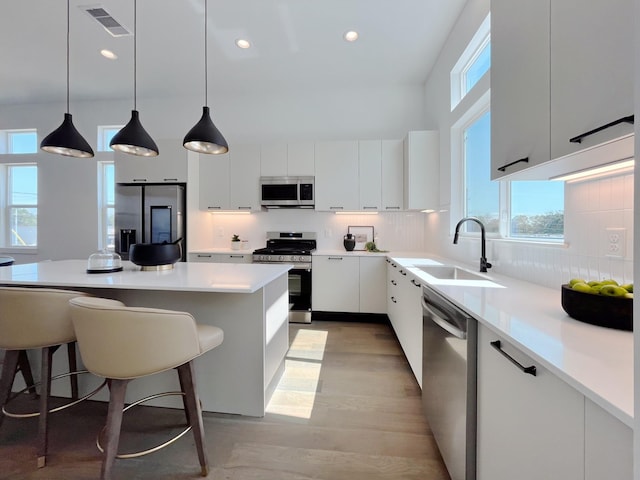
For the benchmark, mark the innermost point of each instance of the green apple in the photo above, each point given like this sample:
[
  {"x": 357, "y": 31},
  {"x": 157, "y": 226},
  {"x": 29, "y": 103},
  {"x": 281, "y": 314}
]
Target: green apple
[
  {"x": 582, "y": 287},
  {"x": 628, "y": 287},
  {"x": 608, "y": 281},
  {"x": 613, "y": 291},
  {"x": 573, "y": 281},
  {"x": 629, "y": 295}
]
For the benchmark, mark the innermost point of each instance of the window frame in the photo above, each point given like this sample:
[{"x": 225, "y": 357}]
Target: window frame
[
  {"x": 7, "y": 205},
  {"x": 103, "y": 135},
  {"x": 6, "y": 140},
  {"x": 104, "y": 206}
]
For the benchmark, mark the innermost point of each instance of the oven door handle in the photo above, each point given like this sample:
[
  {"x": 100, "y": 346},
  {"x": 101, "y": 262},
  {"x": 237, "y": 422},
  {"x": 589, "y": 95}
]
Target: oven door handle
[{"x": 301, "y": 266}]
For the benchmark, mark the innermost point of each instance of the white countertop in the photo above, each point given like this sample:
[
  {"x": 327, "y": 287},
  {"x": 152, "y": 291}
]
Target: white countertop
[
  {"x": 596, "y": 361},
  {"x": 185, "y": 276}
]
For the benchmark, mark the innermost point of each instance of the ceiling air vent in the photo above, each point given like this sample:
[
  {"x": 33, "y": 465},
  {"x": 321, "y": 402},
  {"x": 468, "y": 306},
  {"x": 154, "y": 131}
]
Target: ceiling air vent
[{"x": 109, "y": 23}]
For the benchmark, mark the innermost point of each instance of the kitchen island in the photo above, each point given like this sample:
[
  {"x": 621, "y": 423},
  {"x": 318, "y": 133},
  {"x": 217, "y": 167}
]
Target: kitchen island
[{"x": 248, "y": 302}]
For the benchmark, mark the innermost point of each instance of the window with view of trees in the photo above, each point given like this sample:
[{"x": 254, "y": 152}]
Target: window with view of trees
[{"x": 22, "y": 205}]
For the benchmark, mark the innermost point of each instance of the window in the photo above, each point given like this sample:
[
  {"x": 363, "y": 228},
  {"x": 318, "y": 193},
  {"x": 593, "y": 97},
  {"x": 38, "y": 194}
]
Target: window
[
  {"x": 21, "y": 211},
  {"x": 474, "y": 62},
  {"x": 106, "y": 203},
  {"x": 531, "y": 210},
  {"x": 19, "y": 141},
  {"x": 105, "y": 134}
]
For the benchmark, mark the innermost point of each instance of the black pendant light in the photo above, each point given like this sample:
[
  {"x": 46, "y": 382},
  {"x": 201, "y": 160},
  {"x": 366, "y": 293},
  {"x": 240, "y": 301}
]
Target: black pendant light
[
  {"x": 204, "y": 137},
  {"x": 65, "y": 139},
  {"x": 133, "y": 138}
]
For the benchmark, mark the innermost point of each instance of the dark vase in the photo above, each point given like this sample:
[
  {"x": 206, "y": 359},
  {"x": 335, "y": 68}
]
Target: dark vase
[{"x": 349, "y": 242}]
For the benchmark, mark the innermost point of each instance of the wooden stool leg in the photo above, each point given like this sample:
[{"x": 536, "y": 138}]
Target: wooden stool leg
[
  {"x": 117, "y": 388},
  {"x": 25, "y": 369},
  {"x": 73, "y": 367},
  {"x": 45, "y": 392},
  {"x": 194, "y": 412},
  {"x": 9, "y": 367}
]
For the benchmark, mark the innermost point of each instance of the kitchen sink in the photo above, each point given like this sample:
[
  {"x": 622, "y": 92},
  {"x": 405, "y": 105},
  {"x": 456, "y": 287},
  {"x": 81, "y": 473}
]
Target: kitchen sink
[{"x": 450, "y": 272}]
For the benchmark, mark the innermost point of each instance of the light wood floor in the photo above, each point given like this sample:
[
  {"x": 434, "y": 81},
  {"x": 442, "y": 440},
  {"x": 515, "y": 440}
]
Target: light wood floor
[{"x": 347, "y": 407}]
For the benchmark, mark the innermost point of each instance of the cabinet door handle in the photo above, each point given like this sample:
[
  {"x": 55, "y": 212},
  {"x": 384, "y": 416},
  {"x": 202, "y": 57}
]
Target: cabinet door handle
[
  {"x": 369, "y": 208},
  {"x": 393, "y": 282},
  {"x": 244, "y": 208},
  {"x": 335, "y": 258},
  {"x": 139, "y": 179},
  {"x": 393, "y": 299},
  {"x": 200, "y": 255},
  {"x": 504, "y": 167},
  {"x": 402, "y": 272},
  {"x": 392, "y": 208},
  {"x": 214, "y": 208},
  {"x": 336, "y": 208},
  {"x": 415, "y": 283},
  {"x": 170, "y": 179},
  {"x": 236, "y": 256},
  {"x": 578, "y": 139},
  {"x": 530, "y": 370}
]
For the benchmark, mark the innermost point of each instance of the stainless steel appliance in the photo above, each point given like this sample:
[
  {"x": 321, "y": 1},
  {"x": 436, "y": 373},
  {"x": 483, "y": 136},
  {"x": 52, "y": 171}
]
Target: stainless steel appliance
[
  {"x": 149, "y": 214},
  {"x": 295, "y": 248},
  {"x": 449, "y": 359},
  {"x": 287, "y": 192}
]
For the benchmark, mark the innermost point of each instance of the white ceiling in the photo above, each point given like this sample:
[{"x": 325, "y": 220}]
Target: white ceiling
[{"x": 297, "y": 44}]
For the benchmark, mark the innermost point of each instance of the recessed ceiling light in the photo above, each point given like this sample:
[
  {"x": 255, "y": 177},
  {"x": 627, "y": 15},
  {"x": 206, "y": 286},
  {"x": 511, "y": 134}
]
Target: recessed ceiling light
[
  {"x": 351, "y": 36},
  {"x": 108, "y": 54},
  {"x": 242, "y": 43}
]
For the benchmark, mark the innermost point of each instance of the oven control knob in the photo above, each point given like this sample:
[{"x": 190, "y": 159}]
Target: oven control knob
[
  {"x": 268, "y": 258},
  {"x": 281, "y": 258}
]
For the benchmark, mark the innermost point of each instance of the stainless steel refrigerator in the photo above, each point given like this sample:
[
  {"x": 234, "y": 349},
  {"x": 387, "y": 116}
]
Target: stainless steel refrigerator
[{"x": 149, "y": 214}]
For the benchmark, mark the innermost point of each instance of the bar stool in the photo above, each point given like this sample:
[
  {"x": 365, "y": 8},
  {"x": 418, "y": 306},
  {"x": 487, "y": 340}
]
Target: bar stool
[
  {"x": 123, "y": 343},
  {"x": 36, "y": 318}
]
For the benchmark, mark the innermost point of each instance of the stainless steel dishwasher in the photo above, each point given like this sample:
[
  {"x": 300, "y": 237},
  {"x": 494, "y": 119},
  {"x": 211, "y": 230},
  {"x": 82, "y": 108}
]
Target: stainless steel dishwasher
[{"x": 449, "y": 356}]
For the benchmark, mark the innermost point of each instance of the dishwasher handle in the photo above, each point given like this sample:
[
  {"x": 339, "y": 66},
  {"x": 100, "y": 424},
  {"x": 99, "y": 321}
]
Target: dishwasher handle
[
  {"x": 442, "y": 322},
  {"x": 531, "y": 370}
]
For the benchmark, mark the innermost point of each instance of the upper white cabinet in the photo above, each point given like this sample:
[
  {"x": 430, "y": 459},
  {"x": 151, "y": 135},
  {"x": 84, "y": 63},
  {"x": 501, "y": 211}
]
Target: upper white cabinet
[
  {"x": 370, "y": 174},
  {"x": 519, "y": 85},
  {"x": 559, "y": 70},
  {"x": 336, "y": 172},
  {"x": 421, "y": 170},
  {"x": 244, "y": 179},
  {"x": 392, "y": 175},
  {"x": 292, "y": 159},
  {"x": 169, "y": 166},
  {"x": 230, "y": 181},
  {"x": 592, "y": 52}
]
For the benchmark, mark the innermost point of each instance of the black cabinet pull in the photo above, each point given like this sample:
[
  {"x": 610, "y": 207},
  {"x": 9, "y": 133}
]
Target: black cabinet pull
[
  {"x": 578, "y": 139},
  {"x": 530, "y": 370},
  {"x": 415, "y": 283},
  {"x": 402, "y": 272},
  {"x": 504, "y": 167}
]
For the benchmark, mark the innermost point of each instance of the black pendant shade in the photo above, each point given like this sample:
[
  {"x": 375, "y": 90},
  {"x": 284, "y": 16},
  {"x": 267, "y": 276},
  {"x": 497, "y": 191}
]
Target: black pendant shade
[
  {"x": 66, "y": 140},
  {"x": 204, "y": 137},
  {"x": 134, "y": 139}
]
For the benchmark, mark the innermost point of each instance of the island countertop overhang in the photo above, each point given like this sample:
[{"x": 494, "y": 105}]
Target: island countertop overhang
[{"x": 185, "y": 276}]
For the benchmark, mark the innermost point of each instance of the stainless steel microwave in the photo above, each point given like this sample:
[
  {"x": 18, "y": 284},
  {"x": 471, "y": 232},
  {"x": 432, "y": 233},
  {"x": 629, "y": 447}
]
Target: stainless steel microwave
[{"x": 287, "y": 192}]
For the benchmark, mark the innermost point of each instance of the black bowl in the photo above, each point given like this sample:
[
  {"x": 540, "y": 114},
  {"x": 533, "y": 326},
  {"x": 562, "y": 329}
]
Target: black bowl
[
  {"x": 155, "y": 254},
  {"x": 611, "y": 312}
]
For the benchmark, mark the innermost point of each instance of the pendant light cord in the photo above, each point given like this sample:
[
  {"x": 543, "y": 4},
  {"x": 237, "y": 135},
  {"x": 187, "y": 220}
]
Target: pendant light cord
[
  {"x": 135, "y": 49},
  {"x": 206, "y": 67},
  {"x": 67, "y": 56}
]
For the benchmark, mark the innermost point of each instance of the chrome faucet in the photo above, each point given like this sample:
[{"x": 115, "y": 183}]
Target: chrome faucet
[{"x": 483, "y": 258}]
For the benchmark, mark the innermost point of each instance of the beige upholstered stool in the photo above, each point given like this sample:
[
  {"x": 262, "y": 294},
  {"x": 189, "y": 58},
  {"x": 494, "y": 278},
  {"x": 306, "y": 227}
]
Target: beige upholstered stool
[
  {"x": 123, "y": 343},
  {"x": 35, "y": 318}
]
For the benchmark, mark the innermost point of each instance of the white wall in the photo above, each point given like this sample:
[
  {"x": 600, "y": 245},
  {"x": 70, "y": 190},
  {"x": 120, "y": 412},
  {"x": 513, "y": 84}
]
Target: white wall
[
  {"x": 68, "y": 225},
  {"x": 590, "y": 207}
]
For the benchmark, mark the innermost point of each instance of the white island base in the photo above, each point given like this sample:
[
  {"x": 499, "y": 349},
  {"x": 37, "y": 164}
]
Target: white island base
[{"x": 238, "y": 376}]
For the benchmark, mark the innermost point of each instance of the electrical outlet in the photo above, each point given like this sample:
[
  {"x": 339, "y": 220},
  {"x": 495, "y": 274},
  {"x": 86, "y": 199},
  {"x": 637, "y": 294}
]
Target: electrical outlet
[{"x": 615, "y": 245}]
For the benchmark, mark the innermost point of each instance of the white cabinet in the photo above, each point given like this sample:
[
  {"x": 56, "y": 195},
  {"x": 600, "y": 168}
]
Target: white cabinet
[
  {"x": 519, "y": 84},
  {"x": 529, "y": 427},
  {"x": 373, "y": 285},
  {"x": 220, "y": 257},
  {"x": 370, "y": 175},
  {"x": 404, "y": 294},
  {"x": 335, "y": 283},
  {"x": 592, "y": 44},
  {"x": 392, "y": 175},
  {"x": 421, "y": 170},
  {"x": 170, "y": 166},
  {"x": 244, "y": 177},
  {"x": 336, "y": 172},
  {"x": 230, "y": 181},
  {"x": 351, "y": 284},
  {"x": 293, "y": 159},
  {"x": 213, "y": 182},
  {"x": 608, "y": 445}
]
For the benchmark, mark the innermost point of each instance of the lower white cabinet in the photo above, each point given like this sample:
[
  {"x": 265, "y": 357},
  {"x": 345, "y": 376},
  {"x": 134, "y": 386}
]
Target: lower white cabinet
[
  {"x": 347, "y": 283},
  {"x": 535, "y": 427},
  {"x": 220, "y": 257},
  {"x": 608, "y": 445},
  {"x": 404, "y": 308}
]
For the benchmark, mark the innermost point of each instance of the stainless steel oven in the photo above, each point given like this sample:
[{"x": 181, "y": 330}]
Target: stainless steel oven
[{"x": 294, "y": 248}]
